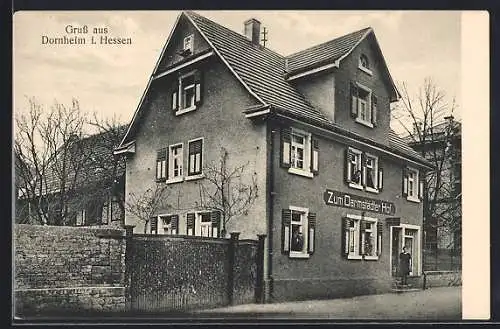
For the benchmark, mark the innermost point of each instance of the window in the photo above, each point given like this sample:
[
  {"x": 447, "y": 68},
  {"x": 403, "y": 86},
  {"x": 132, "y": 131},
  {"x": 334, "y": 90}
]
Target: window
[
  {"x": 413, "y": 187},
  {"x": 175, "y": 164},
  {"x": 354, "y": 168},
  {"x": 362, "y": 237},
  {"x": 298, "y": 234},
  {"x": 195, "y": 152},
  {"x": 187, "y": 93},
  {"x": 299, "y": 152},
  {"x": 167, "y": 224},
  {"x": 364, "y": 64},
  {"x": 363, "y": 171},
  {"x": 188, "y": 43},
  {"x": 204, "y": 223},
  {"x": 371, "y": 173},
  {"x": 161, "y": 165},
  {"x": 363, "y": 105}
]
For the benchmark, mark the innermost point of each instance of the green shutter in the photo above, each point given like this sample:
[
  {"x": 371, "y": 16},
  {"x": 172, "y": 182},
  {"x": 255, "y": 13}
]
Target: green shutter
[
  {"x": 374, "y": 110},
  {"x": 311, "y": 227},
  {"x": 354, "y": 100},
  {"x": 286, "y": 219},
  {"x": 215, "y": 216},
  {"x": 285, "y": 149},
  {"x": 190, "y": 220},
  {"x": 315, "y": 156},
  {"x": 198, "y": 85}
]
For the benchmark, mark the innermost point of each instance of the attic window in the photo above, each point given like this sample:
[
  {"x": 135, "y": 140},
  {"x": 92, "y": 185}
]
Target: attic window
[
  {"x": 188, "y": 44},
  {"x": 364, "y": 64}
]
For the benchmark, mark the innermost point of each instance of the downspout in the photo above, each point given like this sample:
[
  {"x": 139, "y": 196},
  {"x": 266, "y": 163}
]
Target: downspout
[{"x": 270, "y": 177}]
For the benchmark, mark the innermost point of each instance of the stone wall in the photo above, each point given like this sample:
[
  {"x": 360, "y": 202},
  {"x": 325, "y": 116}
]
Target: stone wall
[
  {"x": 442, "y": 278},
  {"x": 70, "y": 269}
]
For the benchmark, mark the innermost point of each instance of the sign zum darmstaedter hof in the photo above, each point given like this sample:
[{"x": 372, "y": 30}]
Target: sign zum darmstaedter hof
[{"x": 351, "y": 201}]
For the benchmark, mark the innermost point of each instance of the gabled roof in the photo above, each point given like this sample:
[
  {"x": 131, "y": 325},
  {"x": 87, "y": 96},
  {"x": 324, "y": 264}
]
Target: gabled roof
[
  {"x": 263, "y": 73},
  {"x": 261, "y": 69},
  {"x": 329, "y": 51}
]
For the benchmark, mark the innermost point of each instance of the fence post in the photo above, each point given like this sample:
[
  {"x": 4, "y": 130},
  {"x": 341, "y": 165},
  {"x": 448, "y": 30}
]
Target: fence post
[
  {"x": 233, "y": 242},
  {"x": 129, "y": 231},
  {"x": 259, "y": 284}
]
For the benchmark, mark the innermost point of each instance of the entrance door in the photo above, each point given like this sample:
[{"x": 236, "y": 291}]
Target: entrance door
[{"x": 396, "y": 249}]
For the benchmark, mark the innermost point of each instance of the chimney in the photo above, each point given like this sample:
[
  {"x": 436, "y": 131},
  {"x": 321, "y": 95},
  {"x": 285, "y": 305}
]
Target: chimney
[{"x": 252, "y": 30}]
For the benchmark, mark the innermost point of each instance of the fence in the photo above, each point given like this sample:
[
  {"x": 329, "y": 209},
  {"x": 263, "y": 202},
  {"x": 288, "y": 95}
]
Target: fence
[
  {"x": 442, "y": 260},
  {"x": 173, "y": 273}
]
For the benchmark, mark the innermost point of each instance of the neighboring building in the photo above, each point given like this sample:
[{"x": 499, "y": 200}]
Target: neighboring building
[
  {"x": 314, "y": 126},
  {"x": 93, "y": 185},
  {"x": 442, "y": 147}
]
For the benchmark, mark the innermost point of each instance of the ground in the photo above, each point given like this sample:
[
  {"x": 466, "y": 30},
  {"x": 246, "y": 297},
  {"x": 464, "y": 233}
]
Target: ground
[{"x": 431, "y": 304}]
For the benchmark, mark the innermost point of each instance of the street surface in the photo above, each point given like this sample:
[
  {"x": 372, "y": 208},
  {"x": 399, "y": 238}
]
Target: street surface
[{"x": 435, "y": 304}]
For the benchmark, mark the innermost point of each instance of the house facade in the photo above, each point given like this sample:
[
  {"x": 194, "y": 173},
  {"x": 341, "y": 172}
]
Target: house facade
[{"x": 339, "y": 193}]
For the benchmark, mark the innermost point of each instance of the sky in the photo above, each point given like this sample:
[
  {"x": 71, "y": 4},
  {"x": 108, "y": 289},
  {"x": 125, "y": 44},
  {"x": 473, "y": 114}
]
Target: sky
[{"x": 110, "y": 79}]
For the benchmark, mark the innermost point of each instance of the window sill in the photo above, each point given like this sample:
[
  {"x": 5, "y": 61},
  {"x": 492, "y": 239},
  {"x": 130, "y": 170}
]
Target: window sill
[
  {"x": 295, "y": 254},
  {"x": 356, "y": 186},
  {"x": 356, "y": 257},
  {"x": 413, "y": 199},
  {"x": 371, "y": 258},
  {"x": 194, "y": 177},
  {"x": 162, "y": 180},
  {"x": 175, "y": 180},
  {"x": 364, "y": 69},
  {"x": 300, "y": 172},
  {"x": 186, "y": 110},
  {"x": 364, "y": 123},
  {"x": 372, "y": 190}
]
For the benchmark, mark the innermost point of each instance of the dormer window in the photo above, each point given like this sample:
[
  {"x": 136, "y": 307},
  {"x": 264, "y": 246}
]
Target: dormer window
[
  {"x": 188, "y": 44},
  {"x": 364, "y": 64}
]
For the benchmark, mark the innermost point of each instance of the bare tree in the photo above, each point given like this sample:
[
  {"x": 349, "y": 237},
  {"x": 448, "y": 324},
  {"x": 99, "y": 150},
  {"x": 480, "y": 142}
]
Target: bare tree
[
  {"x": 147, "y": 205},
  {"x": 227, "y": 190},
  {"x": 431, "y": 131},
  {"x": 60, "y": 168}
]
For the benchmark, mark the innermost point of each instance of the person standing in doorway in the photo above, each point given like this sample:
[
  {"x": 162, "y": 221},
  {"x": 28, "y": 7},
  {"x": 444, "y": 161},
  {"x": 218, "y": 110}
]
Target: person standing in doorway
[{"x": 404, "y": 265}]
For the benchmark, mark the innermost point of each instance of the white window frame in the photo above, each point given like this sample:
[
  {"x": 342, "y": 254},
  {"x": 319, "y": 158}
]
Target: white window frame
[
  {"x": 182, "y": 107},
  {"x": 360, "y": 167},
  {"x": 190, "y": 39},
  {"x": 368, "y": 119},
  {"x": 363, "y": 68},
  {"x": 161, "y": 228},
  {"x": 200, "y": 175},
  {"x": 198, "y": 223},
  {"x": 305, "y": 230},
  {"x": 358, "y": 252},
  {"x": 415, "y": 182},
  {"x": 306, "y": 162},
  {"x": 171, "y": 178},
  {"x": 375, "y": 173}
]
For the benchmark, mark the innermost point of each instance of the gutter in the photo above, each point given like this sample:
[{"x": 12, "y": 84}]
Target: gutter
[{"x": 270, "y": 179}]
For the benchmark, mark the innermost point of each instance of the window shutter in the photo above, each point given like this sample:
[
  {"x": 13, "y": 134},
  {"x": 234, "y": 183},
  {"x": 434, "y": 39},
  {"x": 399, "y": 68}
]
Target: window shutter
[
  {"x": 347, "y": 177},
  {"x": 198, "y": 87},
  {"x": 175, "y": 100},
  {"x": 215, "y": 217},
  {"x": 405, "y": 182},
  {"x": 380, "y": 230},
  {"x": 154, "y": 225},
  {"x": 311, "y": 239},
  {"x": 190, "y": 223},
  {"x": 374, "y": 110},
  {"x": 286, "y": 218},
  {"x": 380, "y": 178},
  {"x": 354, "y": 100},
  {"x": 194, "y": 148},
  {"x": 345, "y": 237},
  {"x": 315, "y": 156},
  {"x": 174, "y": 224},
  {"x": 286, "y": 135}
]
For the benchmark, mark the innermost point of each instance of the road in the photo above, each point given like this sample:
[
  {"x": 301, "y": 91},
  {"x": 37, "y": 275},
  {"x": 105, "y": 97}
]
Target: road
[{"x": 436, "y": 304}]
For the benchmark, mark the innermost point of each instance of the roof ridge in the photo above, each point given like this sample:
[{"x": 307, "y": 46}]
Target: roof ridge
[
  {"x": 192, "y": 13},
  {"x": 326, "y": 42}
]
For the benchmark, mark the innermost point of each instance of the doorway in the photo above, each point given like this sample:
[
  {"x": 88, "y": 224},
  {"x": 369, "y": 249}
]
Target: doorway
[{"x": 408, "y": 236}]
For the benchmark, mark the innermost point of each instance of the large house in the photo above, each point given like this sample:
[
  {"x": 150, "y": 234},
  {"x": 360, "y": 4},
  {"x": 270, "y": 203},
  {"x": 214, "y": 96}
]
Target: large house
[
  {"x": 441, "y": 145},
  {"x": 340, "y": 193}
]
